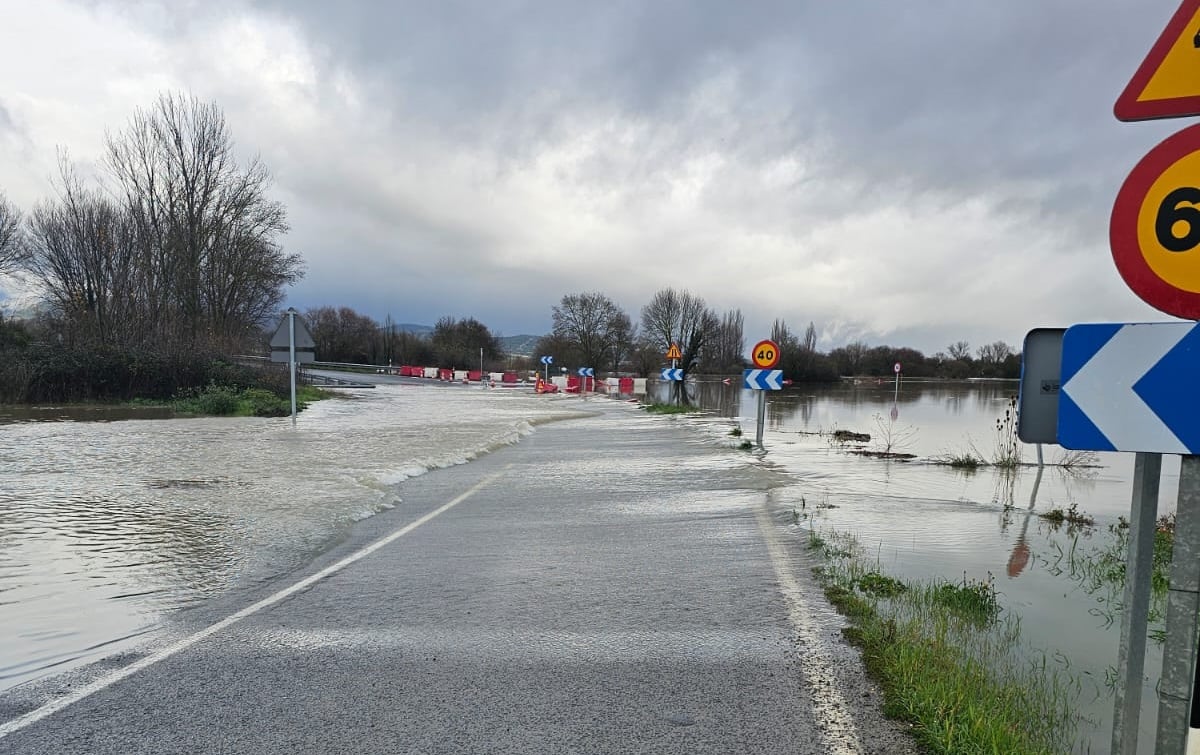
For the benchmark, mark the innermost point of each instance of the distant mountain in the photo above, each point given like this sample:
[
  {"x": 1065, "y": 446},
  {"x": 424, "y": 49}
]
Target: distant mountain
[{"x": 521, "y": 346}]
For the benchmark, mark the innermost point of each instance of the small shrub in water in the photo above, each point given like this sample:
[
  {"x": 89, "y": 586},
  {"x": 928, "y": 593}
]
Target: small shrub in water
[
  {"x": 971, "y": 600},
  {"x": 879, "y": 585}
]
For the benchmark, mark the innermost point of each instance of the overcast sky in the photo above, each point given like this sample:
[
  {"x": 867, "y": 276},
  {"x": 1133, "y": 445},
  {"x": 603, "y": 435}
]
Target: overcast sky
[{"x": 911, "y": 173}]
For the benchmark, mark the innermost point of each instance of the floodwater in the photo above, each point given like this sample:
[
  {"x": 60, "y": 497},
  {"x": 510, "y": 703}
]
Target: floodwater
[
  {"x": 108, "y": 526},
  {"x": 925, "y": 520},
  {"x": 110, "y": 520}
]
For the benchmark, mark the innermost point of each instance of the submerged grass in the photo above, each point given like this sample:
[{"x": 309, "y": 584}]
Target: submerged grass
[
  {"x": 659, "y": 408},
  {"x": 947, "y": 658}
]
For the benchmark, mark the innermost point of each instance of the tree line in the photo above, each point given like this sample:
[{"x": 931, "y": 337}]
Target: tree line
[{"x": 590, "y": 329}]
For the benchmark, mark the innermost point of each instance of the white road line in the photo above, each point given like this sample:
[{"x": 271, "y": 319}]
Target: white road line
[
  {"x": 58, "y": 704},
  {"x": 829, "y": 707}
]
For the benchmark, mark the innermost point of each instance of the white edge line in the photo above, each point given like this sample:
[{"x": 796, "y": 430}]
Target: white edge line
[
  {"x": 58, "y": 704},
  {"x": 832, "y": 714}
]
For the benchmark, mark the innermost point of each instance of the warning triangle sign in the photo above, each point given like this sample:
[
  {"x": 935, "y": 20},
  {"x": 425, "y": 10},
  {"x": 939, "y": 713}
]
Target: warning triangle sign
[
  {"x": 1167, "y": 83},
  {"x": 674, "y": 353}
]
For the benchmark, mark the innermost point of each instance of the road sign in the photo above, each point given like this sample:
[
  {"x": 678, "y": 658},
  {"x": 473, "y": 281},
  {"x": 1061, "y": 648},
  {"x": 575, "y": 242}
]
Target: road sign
[
  {"x": 674, "y": 352},
  {"x": 671, "y": 373},
  {"x": 763, "y": 380},
  {"x": 281, "y": 340},
  {"x": 1131, "y": 388},
  {"x": 587, "y": 372},
  {"x": 896, "y": 368},
  {"x": 547, "y": 360},
  {"x": 765, "y": 354},
  {"x": 1165, "y": 85},
  {"x": 1155, "y": 228},
  {"x": 1041, "y": 376}
]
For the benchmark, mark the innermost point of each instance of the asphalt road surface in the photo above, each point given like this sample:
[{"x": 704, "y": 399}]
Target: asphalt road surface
[{"x": 608, "y": 585}]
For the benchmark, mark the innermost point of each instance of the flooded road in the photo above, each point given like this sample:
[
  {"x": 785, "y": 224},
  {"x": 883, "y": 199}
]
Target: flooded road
[{"x": 106, "y": 527}]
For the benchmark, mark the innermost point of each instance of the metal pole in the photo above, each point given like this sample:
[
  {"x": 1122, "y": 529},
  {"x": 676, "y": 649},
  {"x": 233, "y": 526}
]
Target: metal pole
[
  {"x": 292, "y": 359},
  {"x": 896, "y": 395},
  {"x": 1131, "y": 653},
  {"x": 762, "y": 415},
  {"x": 675, "y": 385},
  {"x": 481, "y": 363},
  {"x": 1183, "y": 603}
]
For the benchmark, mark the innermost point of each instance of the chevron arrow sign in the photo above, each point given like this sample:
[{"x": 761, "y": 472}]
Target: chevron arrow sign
[
  {"x": 763, "y": 380},
  {"x": 1131, "y": 387},
  {"x": 587, "y": 372},
  {"x": 672, "y": 374}
]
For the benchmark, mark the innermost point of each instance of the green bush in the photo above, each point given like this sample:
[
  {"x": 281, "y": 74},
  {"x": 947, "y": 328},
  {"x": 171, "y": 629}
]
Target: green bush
[{"x": 264, "y": 403}]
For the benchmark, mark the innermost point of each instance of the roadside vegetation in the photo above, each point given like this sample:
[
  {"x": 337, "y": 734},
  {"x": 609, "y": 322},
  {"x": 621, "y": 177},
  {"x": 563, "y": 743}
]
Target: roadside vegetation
[
  {"x": 661, "y": 408},
  {"x": 943, "y": 651},
  {"x": 230, "y": 401}
]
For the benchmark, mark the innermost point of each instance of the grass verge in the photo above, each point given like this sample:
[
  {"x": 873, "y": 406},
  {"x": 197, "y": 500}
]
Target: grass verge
[{"x": 948, "y": 660}]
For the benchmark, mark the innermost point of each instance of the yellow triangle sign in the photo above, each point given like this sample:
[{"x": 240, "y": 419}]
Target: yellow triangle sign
[
  {"x": 673, "y": 352},
  {"x": 1167, "y": 83}
]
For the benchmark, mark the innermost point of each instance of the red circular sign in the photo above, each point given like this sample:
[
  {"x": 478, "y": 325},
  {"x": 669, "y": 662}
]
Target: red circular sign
[
  {"x": 896, "y": 368},
  {"x": 1155, "y": 228},
  {"x": 765, "y": 354}
]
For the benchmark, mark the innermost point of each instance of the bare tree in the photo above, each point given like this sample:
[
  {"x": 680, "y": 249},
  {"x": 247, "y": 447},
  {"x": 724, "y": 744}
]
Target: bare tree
[
  {"x": 729, "y": 343},
  {"x": 959, "y": 350},
  {"x": 600, "y": 330},
  {"x": 206, "y": 229},
  {"x": 80, "y": 249},
  {"x": 682, "y": 318},
  {"x": 13, "y": 251}
]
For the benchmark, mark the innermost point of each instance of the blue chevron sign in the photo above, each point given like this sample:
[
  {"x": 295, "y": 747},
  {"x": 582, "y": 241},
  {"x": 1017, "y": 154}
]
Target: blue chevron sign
[
  {"x": 547, "y": 360},
  {"x": 1131, "y": 387},
  {"x": 587, "y": 372},
  {"x": 763, "y": 380},
  {"x": 671, "y": 373}
]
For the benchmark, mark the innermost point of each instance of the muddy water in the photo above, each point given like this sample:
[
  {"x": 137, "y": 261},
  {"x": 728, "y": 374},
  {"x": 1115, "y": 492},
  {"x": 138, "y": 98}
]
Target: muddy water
[
  {"x": 924, "y": 520},
  {"x": 110, "y": 523}
]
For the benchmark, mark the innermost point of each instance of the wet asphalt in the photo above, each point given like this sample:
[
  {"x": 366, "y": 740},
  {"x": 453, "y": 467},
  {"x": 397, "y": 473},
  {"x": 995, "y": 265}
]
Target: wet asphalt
[{"x": 601, "y": 587}]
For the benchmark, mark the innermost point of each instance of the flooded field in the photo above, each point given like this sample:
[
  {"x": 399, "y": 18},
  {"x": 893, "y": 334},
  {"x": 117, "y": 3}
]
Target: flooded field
[{"x": 923, "y": 519}]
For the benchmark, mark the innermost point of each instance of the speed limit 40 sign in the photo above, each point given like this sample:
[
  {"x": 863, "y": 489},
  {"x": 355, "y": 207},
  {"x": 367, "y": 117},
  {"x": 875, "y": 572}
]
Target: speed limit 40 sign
[
  {"x": 765, "y": 354},
  {"x": 1155, "y": 228}
]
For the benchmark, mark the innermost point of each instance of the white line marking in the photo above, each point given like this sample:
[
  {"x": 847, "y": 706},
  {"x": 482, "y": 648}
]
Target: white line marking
[
  {"x": 829, "y": 707},
  {"x": 58, "y": 704}
]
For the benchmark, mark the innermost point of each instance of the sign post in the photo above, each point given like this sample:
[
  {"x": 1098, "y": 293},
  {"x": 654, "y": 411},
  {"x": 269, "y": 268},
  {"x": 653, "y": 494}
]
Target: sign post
[
  {"x": 546, "y": 362},
  {"x": 674, "y": 354},
  {"x": 1155, "y": 239},
  {"x": 292, "y": 343},
  {"x": 764, "y": 355}
]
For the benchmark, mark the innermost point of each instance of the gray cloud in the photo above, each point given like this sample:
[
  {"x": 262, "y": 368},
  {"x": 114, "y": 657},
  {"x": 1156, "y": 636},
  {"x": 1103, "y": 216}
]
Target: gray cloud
[{"x": 930, "y": 170}]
